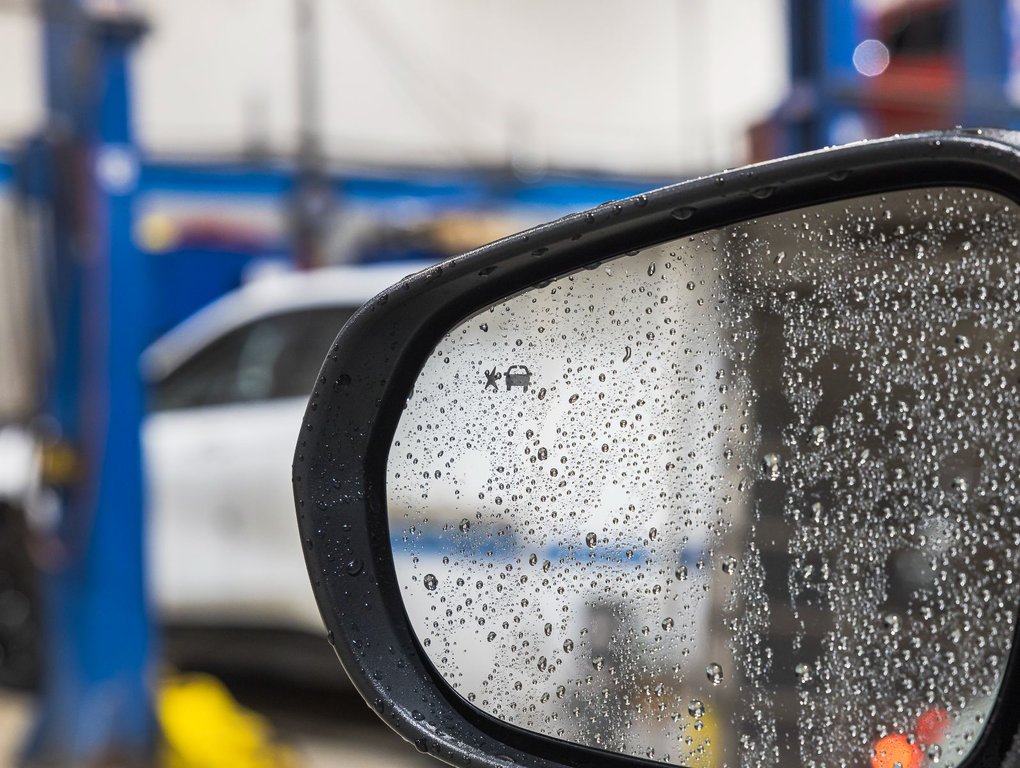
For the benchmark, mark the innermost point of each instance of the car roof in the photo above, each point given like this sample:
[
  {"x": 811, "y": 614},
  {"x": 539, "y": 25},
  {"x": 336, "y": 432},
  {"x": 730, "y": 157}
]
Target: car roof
[{"x": 275, "y": 292}]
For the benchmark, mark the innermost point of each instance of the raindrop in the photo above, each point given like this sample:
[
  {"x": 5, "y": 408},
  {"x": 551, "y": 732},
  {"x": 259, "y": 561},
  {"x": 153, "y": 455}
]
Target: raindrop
[
  {"x": 696, "y": 708},
  {"x": 548, "y": 630},
  {"x": 431, "y": 582},
  {"x": 729, "y": 565},
  {"x": 819, "y": 434},
  {"x": 591, "y": 539},
  {"x": 597, "y": 662},
  {"x": 714, "y": 673},
  {"x": 568, "y": 645},
  {"x": 681, "y": 573},
  {"x": 891, "y": 622},
  {"x": 465, "y": 525},
  {"x": 667, "y": 623},
  {"x": 803, "y": 671},
  {"x": 770, "y": 465}
]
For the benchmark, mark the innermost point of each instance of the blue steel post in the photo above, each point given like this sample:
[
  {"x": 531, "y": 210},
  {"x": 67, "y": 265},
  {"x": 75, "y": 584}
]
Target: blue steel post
[
  {"x": 987, "y": 36},
  {"x": 822, "y": 107},
  {"x": 839, "y": 114},
  {"x": 96, "y": 704}
]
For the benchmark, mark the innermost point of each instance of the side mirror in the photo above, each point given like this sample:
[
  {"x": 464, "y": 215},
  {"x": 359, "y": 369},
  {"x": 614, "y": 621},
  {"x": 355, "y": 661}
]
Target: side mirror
[{"x": 727, "y": 474}]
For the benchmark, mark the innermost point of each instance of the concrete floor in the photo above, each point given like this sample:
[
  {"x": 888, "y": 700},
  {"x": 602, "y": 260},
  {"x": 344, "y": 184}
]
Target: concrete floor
[
  {"x": 13, "y": 721},
  {"x": 328, "y": 728}
]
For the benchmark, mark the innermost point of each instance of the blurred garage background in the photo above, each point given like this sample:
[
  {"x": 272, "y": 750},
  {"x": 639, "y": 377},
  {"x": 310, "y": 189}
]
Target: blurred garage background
[{"x": 194, "y": 196}]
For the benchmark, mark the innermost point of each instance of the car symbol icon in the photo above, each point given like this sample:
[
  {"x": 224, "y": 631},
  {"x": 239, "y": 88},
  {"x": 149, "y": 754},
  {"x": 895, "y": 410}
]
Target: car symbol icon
[{"x": 517, "y": 376}]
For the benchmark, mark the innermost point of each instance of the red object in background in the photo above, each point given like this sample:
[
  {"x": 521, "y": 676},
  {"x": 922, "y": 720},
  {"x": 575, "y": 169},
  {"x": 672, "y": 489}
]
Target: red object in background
[
  {"x": 920, "y": 89},
  {"x": 932, "y": 726},
  {"x": 895, "y": 751}
]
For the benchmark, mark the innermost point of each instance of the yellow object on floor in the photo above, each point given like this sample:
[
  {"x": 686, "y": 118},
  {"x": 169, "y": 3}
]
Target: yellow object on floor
[{"x": 204, "y": 727}]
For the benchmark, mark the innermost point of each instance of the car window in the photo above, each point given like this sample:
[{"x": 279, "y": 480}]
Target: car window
[{"x": 270, "y": 358}]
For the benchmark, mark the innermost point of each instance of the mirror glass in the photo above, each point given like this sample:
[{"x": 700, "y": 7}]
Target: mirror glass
[{"x": 748, "y": 498}]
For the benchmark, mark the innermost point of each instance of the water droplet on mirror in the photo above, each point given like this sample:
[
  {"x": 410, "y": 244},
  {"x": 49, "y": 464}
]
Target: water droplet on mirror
[
  {"x": 491, "y": 636},
  {"x": 465, "y": 525},
  {"x": 819, "y": 434},
  {"x": 729, "y": 565},
  {"x": 714, "y": 673},
  {"x": 771, "y": 466},
  {"x": 431, "y": 582},
  {"x": 681, "y": 573},
  {"x": 651, "y": 269},
  {"x": 803, "y": 671},
  {"x": 653, "y": 534},
  {"x": 543, "y": 454},
  {"x": 696, "y": 708},
  {"x": 548, "y": 630},
  {"x": 591, "y": 540},
  {"x": 568, "y": 645},
  {"x": 597, "y": 662},
  {"x": 533, "y": 560},
  {"x": 667, "y": 624},
  {"x": 934, "y": 753},
  {"x": 691, "y": 285},
  {"x": 891, "y": 622}
]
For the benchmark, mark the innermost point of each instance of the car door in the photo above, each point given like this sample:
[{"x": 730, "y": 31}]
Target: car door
[{"x": 217, "y": 453}]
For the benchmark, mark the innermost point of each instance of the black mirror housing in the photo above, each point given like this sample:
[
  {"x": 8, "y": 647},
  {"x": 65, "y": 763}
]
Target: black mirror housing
[{"x": 340, "y": 461}]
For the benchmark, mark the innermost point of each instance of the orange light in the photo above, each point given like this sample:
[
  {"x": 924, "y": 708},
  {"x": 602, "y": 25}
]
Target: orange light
[
  {"x": 932, "y": 726},
  {"x": 894, "y": 751}
]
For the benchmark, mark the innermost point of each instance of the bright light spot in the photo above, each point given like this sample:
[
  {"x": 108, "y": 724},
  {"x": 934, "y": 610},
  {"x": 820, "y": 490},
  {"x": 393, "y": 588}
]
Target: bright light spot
[
  {"x": 894, "y": 751},
  {"x": 871, "y": 58}
]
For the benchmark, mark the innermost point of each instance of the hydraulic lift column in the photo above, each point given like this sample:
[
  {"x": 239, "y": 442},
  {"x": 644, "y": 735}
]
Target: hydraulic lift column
[{"x": 96, "y": 701}]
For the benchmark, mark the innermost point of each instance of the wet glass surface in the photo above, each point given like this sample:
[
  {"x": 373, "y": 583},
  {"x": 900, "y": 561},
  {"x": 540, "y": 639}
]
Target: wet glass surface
[{"x": 748, "y": 498}]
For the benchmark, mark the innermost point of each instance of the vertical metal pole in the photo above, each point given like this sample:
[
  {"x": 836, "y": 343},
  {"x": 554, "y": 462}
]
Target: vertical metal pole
[
  {"x": 95, "y": 705},
  {"x": 988, "y": 35},
  {"x": 312, "y": 201},
  {"x": 823, "y": 35},
  {"x": 841, "y": 29}
]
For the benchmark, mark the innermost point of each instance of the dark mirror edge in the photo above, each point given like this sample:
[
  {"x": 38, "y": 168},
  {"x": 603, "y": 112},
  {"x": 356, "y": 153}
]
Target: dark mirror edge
[{"x": 355, "y": 406}]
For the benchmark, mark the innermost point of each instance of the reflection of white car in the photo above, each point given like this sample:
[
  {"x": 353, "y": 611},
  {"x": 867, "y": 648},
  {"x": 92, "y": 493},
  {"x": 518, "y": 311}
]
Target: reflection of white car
[{"x": 229, "y": 387}]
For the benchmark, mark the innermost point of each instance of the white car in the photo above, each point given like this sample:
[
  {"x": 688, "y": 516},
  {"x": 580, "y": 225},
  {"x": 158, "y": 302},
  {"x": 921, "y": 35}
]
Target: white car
[{"x": 228, "y": 391}]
